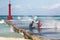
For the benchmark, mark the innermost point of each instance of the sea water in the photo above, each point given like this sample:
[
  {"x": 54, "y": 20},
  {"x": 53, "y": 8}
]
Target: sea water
[
  {"x": 50, "y": 32},
  {"x": 46, "y": 21},
  {"x": 50, "y": 25},
  {"x": 6, "y": 32}
]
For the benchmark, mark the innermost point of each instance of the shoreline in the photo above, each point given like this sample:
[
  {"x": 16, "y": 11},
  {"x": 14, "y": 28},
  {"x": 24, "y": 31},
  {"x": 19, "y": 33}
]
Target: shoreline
[{"x": 7, "y": 38}]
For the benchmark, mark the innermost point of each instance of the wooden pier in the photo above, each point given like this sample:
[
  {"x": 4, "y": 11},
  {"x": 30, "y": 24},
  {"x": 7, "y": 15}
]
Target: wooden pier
[{"x": 27, "y": 35}]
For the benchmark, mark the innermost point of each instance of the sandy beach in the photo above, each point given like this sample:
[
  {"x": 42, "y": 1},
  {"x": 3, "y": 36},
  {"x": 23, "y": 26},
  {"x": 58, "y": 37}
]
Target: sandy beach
[{"x": 5, "y": 38}]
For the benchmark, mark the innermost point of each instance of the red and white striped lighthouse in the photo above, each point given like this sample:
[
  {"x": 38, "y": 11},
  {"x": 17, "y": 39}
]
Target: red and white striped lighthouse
[{"x": 9, "y": 11}]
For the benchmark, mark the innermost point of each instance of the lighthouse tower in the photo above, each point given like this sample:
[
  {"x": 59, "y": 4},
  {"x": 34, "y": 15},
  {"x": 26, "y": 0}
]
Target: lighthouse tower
[{"x": 9, "y": 11}]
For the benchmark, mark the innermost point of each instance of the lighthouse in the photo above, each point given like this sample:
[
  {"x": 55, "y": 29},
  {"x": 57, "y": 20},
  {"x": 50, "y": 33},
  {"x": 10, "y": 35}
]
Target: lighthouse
[{"x": 9, "y": 17}]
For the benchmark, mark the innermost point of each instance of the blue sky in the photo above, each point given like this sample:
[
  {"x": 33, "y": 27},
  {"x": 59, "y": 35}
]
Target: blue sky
[{"x": 31, "y": 7}]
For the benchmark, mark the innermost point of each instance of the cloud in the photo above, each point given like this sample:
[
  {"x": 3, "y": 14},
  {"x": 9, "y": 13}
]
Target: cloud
[
  {"x": 17, "y": 6},
  {"x": 52, "y": 6},
  {"x": 29, "y": 6},
  {"x": 22, "y": 6}
]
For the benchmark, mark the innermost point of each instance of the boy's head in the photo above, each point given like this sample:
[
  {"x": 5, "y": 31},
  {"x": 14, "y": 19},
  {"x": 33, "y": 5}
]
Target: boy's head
[{"x": 32, "y": 21}]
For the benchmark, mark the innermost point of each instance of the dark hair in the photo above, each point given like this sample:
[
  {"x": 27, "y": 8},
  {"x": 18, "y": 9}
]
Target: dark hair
[{"x": 32, "y": 21}]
